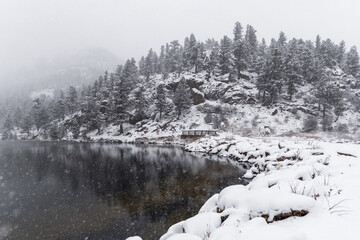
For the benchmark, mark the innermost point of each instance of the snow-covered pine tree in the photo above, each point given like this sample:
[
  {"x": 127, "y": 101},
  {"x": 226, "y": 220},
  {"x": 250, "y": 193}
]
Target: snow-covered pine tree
[
  {"x": 18, "y": 117},
  {"x": 140, "y": 105},
  {"x": 282, "y": 39},
  {"x": 182, "y": 97},
  {"x": 129, "y": 74},
  {"x": 150, "y": 64},
  {"x": 161, "y": 60},
  {"x": 212, "y": 62},
  {"x": 328, "y": 53},
  {"x": 251, "y": 44},
  {"x": 352, "y": 61},
  {"x": 60, "y": 107},
  {"x": 260, "y": 60},
  {"x": 8, "y": 124},
  {"x": 71, "y": 99},
  {"x": 270, "y": 79},
  {"x": 121, "y": 96},
  {"x": 40, "y": 115},
  {"x": 194, "y": 52},
  {"x": 142, "y": 68},
  {"x": 340, "y": 53},
  {"x": 162, "y": 106},
  {"x": 26, "y": 124},
  {"x": 239, "y": 50},
  {"x": 175, "y": 52},
  {"x": 329, "y": 96},
  {"x": 292, "y": 71},
  {"x": 225, "y": 56}
]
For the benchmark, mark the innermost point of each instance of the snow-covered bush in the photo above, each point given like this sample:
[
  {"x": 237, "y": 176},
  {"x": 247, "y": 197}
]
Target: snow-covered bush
[
  {"x": 343, "y": 127},
  {"x": 310, "y": 124},
  {"x": 208, "y": 118}
]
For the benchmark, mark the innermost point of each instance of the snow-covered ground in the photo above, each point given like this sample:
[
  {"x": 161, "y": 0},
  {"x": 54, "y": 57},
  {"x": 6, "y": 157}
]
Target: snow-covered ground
[{"x": 302, "y": 189}]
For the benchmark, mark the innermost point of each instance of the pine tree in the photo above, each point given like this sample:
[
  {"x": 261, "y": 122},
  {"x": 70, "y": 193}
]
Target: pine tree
[
  {"x": 318, "y": 44},
  {"x": 150, "y": 64},
  {"x": 225, "y": 56},
  {"x": 329, "y": 96},
  {"x": 282, "y": 39},
  {"x": 212, "y": 62},
  {"x": 239, "y": 51},
  {"x": 121, "y": 96},
  {"x": 260, "y": 60},
  {"x": 40, "y": 115},
  {"x": 251, "y": 46},
  {"x": 162, "y": 60},
  {"x": 174, "y": 57},
  {"x": 142, "y": 68},
  {"x": 162, "y": 106},
  {"x": 352, "y": 61},
  {"x": 129, "y": 74},
  {"x": 340, "y": 55},
  {"x": 18, "y": 117},
  {"x": 293, "y": 78},
  {"x": 8, "y": 124},
  {"x": 182, "y": 97},
  {"x": 238, "y": 35},
  {"x": 193, "y": 52},
  {"x": 72, "y": 97},
  {"x": 27, "y": 124},
  {"x": 60, "y": 107},
  {"x": 54, "y": 132},
  {"x": 140, "y": 104},
  {"x": 200, "y": 57},
  {"x": 270, "y": 79}
]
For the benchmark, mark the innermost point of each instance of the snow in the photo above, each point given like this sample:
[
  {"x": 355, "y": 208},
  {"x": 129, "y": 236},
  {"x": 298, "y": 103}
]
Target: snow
[
  {"x": 184, "y": 236},
  {"x": 202, "y": 224},
  {"x": 134, "y": 238},
  {"x": 302, "y": 189}
]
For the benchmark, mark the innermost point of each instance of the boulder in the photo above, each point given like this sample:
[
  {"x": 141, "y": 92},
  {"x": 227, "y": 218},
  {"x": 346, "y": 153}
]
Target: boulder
[
  {"x": 198, "y": 97},
  {"x": 194, "y": 83}
]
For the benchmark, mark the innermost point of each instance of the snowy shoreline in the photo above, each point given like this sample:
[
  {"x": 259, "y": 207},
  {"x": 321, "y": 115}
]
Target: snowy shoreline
[{"x": 302, "y": 189}]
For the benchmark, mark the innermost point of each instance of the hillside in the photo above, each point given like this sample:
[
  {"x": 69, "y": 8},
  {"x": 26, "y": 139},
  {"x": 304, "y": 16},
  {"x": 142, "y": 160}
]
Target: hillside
[{"x": 239, "y": 85}]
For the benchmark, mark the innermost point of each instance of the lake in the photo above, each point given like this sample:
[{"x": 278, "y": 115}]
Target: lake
[{"x": 60, "y": 190}]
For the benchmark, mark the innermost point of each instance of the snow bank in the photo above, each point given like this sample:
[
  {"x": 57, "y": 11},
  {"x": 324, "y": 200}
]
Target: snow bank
[{"x": 300, "y": 188}]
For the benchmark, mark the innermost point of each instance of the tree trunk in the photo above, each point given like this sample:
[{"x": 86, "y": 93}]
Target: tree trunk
[
  {"x": 121, "y": 128},
  {"x": 264, "y": 96},
  {"x": 324, "y": 115}
]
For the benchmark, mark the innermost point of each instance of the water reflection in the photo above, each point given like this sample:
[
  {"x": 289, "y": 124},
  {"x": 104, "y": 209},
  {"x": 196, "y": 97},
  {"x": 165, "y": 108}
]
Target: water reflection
[{"x": 102, "y": 191}]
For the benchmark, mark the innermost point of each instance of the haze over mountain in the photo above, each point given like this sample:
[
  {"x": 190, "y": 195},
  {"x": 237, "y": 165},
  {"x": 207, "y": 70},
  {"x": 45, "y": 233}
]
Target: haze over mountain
[{"x": 76, "y": 69}]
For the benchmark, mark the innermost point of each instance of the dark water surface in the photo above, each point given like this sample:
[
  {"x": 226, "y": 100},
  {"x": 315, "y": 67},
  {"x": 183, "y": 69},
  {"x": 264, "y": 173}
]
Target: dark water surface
[{"x": 102, "y": 191}]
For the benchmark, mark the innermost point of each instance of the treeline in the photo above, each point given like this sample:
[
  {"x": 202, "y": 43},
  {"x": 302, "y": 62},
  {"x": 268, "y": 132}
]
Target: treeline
[{"x": 282, "y": 68}]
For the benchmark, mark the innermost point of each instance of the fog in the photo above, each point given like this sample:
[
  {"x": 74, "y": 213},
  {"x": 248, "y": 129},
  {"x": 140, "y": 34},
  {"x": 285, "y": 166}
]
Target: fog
[{"x": 37, "y": 31}]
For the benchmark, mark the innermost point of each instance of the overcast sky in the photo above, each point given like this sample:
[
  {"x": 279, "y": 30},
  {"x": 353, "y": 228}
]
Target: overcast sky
[{"x": 41, "y": 29}]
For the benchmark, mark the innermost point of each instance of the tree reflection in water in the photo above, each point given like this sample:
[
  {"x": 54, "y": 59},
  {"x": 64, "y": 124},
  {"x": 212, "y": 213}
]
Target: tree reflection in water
[{"x": 104, "y": 191}]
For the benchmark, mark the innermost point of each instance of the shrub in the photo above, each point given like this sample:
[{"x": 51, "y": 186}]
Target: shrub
[
  {"x": 254, "y": 121},
  {"x": 208, "y": 118},
  {"x": 327, "y": 123},
  {"x": 342, "y": 128},
  {"x": 54, "y": 132},
  {"x": 293, "y": 110},
  {"x": 310, "y": 124}
]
